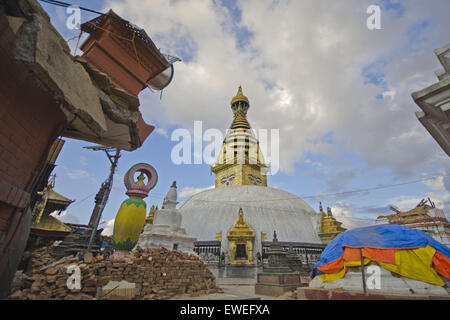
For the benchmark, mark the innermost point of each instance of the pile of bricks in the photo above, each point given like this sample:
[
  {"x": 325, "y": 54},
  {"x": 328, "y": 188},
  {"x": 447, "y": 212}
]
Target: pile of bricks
[{"x": 156, "y": 273}]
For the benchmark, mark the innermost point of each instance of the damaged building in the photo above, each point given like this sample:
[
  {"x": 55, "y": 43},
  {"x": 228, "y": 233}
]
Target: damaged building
[{"x": 47, "y": 93}]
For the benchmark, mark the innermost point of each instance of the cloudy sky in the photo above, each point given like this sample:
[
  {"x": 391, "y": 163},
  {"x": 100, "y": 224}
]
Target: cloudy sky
[{"x": 339, "y": 93}]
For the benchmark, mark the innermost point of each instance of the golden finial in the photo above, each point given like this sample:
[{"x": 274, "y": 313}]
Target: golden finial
[
  {"x": 322, "y": 213},
  {"x": 241, "y": 217},
  {"x": 240, "y": 97},
  {"x": 329, "y": 212},
  {"x": 174, "y": 184}
]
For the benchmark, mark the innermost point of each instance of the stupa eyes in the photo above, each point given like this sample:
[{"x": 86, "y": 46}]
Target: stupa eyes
[
  {"x": 228, "y": 179},
  {"x": 254, "y": 179}
]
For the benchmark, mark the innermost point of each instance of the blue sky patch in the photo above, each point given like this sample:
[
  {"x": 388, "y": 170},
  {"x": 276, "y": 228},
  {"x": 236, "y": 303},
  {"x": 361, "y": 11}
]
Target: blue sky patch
[
  {"x": 392, "y": 6},
  {"x": 242, "y": 34},
  {"x": 374, "y": 73}
]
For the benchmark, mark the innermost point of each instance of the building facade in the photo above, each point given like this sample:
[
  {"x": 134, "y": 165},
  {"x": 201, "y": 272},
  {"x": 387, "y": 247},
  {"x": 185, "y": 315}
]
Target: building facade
[
  {"x": 47, "y": 93},
  {"x": 426, "y": 218},
  {"x": 434, "y": 102}
]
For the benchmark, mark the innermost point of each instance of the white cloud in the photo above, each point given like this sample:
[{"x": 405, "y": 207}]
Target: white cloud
[
  {"x": 390, "y": 93},
  {"x": 190, "y": 191},
  {"x": 436, "y": 183},
  {"x": 314, "y": 163},
  {"x": 301, "y": 68},
  {"x": 447, "y": 182},
  {"x": 405, "y": 203},
  {"x": 66, "y": 217},
  {"x": 78, "y": 174},
  {"x": 162, "y": 132},
  {"x": 108, "y": 227},
  {"x": 341, "y": 209},
  {"x": 345, "y": 213}
]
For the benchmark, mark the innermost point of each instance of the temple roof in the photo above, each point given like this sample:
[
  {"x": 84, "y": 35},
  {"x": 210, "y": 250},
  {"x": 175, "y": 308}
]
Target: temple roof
[
  {"x": 55, "y": 197},
  {"x": 96, "y": 23},
  {"x": 50, "y": 223},
  {"x": 241, "y": 227}
]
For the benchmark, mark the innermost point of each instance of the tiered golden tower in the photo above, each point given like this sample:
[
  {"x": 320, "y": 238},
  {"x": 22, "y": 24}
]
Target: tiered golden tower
[{"x": 240, "y": 161}]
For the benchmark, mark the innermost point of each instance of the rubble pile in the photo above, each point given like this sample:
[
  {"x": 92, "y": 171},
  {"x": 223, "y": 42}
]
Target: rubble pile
[{"x": 156, "y": 273}]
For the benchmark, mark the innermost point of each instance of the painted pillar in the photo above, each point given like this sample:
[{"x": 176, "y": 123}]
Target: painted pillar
[{"x": 130, "y": 219}]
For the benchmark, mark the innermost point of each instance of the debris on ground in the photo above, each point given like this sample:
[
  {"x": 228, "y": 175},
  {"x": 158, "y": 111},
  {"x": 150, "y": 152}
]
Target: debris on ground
[{"x": 154, "y": 273}]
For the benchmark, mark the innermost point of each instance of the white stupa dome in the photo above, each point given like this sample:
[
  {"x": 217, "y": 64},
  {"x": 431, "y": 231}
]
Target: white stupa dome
[
  {"x": 265, "y": 209},
  {"x": 241, "y": 183}
]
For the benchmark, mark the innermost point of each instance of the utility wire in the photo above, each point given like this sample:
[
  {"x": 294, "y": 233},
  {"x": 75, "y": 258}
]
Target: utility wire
[
  {"x": 332, "y": 194},
  {"x": 375, "y": 188},
  {"x": 81, "y": 201},
  {"x": 66, "y": 5}
]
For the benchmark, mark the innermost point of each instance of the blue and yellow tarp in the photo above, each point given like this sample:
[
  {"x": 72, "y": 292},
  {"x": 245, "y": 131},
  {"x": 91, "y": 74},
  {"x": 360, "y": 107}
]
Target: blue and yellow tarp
[{"x": 408, "y": 252}]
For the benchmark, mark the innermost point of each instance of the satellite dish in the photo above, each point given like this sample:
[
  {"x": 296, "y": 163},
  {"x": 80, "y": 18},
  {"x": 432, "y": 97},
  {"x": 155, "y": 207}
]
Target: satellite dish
[{"x": 162, "y": 79}]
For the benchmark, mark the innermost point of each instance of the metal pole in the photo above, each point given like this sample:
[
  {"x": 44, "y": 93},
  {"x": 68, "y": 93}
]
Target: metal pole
[
  {"x": 362, "y": 271},
  {"x": 107, "y": 185},
  {"x": 220, "y": 254}
]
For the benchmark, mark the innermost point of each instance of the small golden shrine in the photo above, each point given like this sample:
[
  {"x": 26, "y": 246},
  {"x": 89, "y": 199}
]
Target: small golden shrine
[
  {"x": 329, "y": 226},
  {"x": 44, "y": 225},
  {"x": 240, "y": 238}
]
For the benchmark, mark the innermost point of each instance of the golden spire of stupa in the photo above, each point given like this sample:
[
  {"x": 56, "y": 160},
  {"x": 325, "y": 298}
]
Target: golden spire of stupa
[{"x": 240, "y": 161}]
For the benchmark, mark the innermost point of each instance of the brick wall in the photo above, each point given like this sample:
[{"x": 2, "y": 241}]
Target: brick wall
[
  {"x": 157, "y": 273},
  {"x": 30, "y": 120}
]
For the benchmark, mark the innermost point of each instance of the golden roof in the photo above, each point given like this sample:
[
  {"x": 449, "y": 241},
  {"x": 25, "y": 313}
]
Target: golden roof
[
  {"x": 239, "y": 97},
  {"x": 241, "y": 228},
  {"x": 50, "y": 202},
  {"x": 50, "y": 223},
  {"x": 55, "y": 197}
]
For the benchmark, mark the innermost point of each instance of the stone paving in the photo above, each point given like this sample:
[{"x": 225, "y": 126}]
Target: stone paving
[{"x": 237, "y": 283}]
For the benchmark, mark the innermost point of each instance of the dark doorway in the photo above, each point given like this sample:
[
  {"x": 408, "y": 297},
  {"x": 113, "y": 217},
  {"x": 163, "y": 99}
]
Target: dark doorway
[{"x": 241, "y": 252}]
